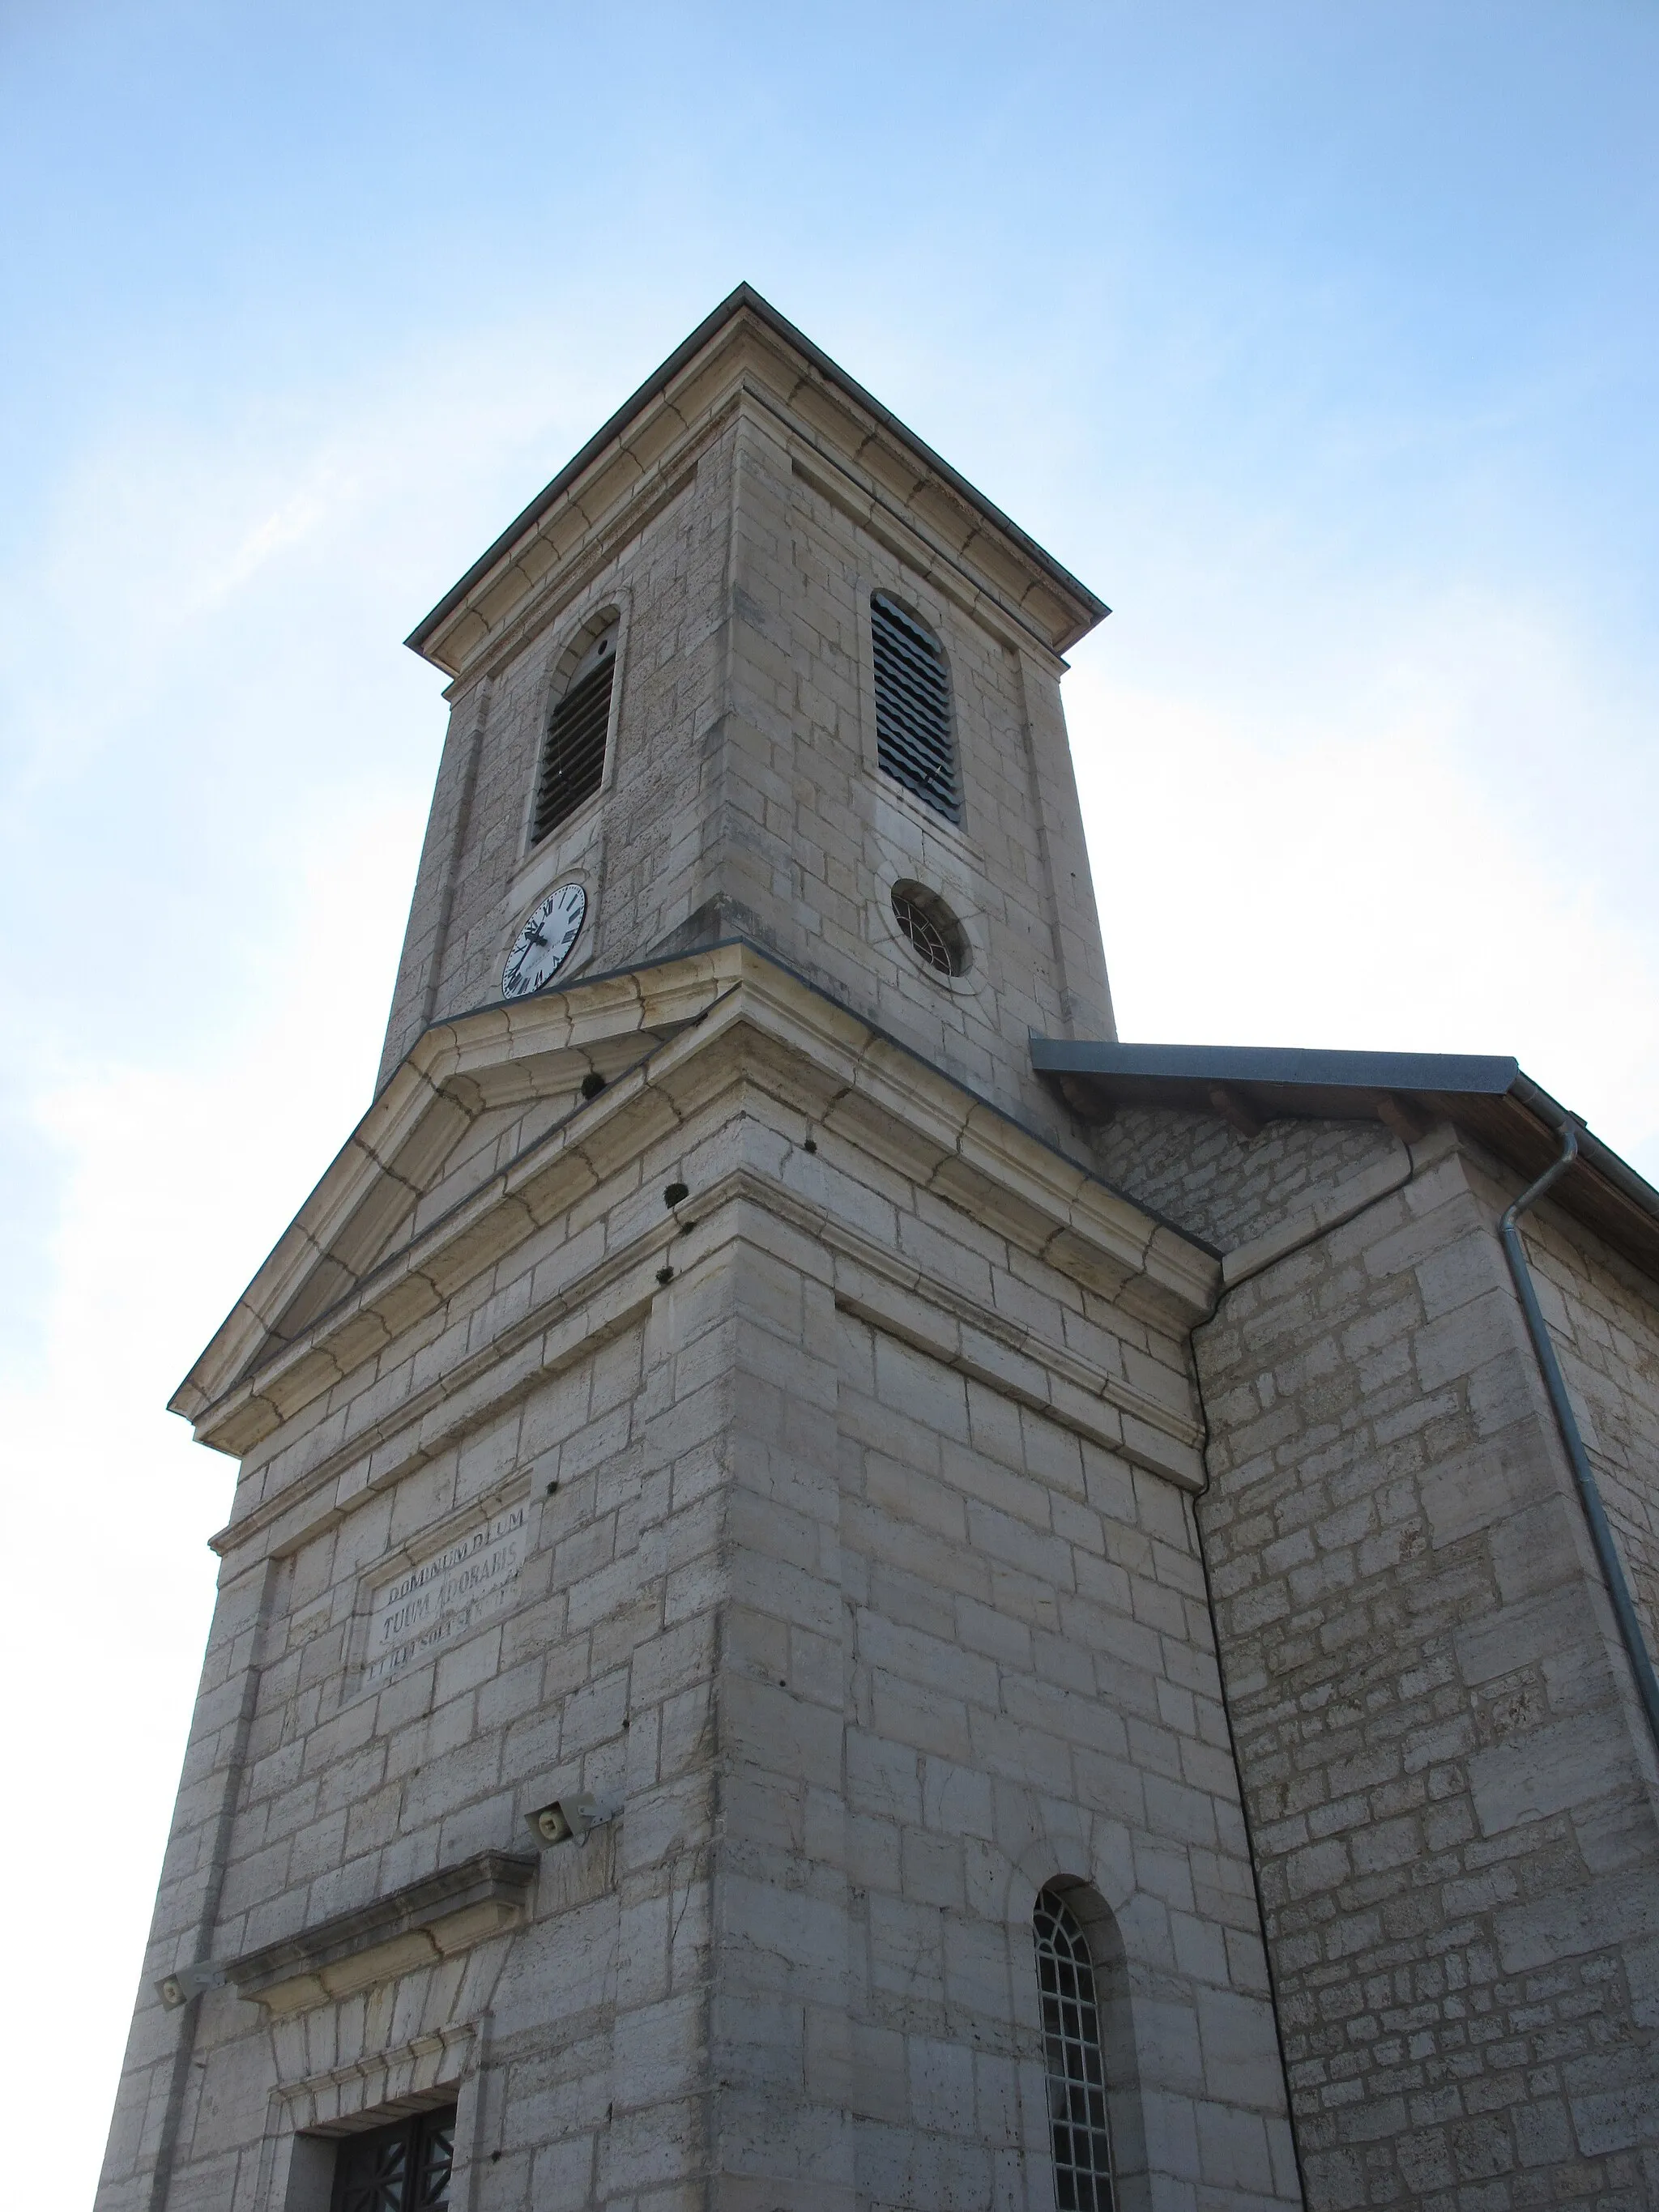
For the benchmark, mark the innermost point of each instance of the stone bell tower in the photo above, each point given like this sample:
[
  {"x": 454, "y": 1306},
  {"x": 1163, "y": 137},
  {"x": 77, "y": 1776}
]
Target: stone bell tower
[
  {"x": 712, "y": 1639},
  {"x": 730, "y": 529}
]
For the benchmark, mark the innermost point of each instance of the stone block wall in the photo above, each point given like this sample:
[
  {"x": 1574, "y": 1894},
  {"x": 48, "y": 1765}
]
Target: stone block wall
[
  {"x": 1031, "y": 1694},
  {"x": 804, "y": 1539},
  {"x": 814, "y": 835},
  {"x": 1604, "y": 1319},
  {"x": 1449, "y": 1786},
  {"x": 637, "y": 848},
  {"x": 742, "y": 794},
  {"x": 144, "y": 2131},
  {"x": 1228, "y": 1188}
]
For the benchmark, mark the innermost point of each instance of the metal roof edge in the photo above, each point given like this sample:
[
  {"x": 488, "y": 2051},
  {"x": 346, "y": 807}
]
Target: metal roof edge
[
  {"x": 743, "y": 296},
  {"x": 1484, "y": 1074},
  {"x": 1444, "y": 1076}
]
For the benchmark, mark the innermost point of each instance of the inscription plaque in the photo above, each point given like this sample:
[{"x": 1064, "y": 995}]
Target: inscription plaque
[{"x": 441, "y": 1598}]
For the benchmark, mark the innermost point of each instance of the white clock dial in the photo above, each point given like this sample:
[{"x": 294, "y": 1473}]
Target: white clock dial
[{"x": 545, "y": 943}]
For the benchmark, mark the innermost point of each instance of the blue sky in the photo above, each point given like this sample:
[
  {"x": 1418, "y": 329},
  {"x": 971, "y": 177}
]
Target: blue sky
[{"x": 1319, "y": 339}]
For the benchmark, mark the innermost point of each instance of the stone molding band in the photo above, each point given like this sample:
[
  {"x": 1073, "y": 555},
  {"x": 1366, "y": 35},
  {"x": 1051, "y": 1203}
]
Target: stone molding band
[{"x": 431, "y": 1918}]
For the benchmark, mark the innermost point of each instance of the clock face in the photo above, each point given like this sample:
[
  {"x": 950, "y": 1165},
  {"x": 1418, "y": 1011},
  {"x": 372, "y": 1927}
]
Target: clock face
[{"x": 545, "y": 943}]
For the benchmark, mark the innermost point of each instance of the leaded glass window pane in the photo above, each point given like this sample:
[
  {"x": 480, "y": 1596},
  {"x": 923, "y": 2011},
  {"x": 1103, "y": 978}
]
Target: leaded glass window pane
[{"x": 1076, "y": 2073}]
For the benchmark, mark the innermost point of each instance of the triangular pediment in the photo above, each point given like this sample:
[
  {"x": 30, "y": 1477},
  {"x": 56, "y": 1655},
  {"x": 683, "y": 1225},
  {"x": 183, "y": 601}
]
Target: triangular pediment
[{"x": 471, "y": 1098}]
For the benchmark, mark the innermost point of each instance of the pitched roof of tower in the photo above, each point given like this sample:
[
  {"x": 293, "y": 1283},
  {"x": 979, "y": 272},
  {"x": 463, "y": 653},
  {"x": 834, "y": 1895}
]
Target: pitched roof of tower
[{"x": 1083, "y": 609}]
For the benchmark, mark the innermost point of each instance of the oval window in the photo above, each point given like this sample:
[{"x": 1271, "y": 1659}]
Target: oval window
[{"x": 933, "y": 932}]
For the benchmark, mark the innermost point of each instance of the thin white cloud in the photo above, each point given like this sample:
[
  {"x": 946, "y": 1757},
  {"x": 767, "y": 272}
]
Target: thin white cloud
[{"x": 1357, "y": 889}]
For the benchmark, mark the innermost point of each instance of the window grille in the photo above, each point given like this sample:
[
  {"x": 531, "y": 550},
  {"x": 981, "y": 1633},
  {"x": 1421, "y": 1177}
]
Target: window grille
[
  {"x": 403, "y": 2168},
  {"x": 1077, "y": 2073},
  {"x": 913, "y": 743},
  {"x": 935, "y": 934},
  {"x": 573, "y": 757}
]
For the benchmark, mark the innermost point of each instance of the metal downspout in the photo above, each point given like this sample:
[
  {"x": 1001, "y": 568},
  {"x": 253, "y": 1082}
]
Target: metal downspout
[{"x": 1629, "y": 1627}]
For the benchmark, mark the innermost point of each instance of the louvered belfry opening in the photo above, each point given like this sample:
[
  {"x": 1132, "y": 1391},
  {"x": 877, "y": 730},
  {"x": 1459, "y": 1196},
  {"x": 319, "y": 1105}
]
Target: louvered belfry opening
[
  {"x": 914, "y": 742},
  {"x": 573, "y": 757}
]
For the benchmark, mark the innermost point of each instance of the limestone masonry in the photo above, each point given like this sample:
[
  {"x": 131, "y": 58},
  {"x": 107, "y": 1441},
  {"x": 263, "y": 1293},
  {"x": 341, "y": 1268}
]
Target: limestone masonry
[{"x": 844, "y": 1592}]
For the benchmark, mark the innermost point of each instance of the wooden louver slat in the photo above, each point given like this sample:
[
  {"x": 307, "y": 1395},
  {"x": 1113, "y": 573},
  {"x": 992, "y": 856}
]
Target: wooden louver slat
[
  {"x": 913, "y": 743},
  {"x": 573, "y": 758}
]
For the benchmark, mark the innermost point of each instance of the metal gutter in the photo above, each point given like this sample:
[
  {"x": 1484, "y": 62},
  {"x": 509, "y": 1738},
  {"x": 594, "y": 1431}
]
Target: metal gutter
[
  {"x": 1589, "y": 1496},
  {"x": 1594, "y": 1153},
  {"x": 1440, "y": 1079}
]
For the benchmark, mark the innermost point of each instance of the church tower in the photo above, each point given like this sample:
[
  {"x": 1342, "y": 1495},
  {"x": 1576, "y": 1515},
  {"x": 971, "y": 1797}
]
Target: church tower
[
  {"x": 753, "y": 659},
  {"x": 711, "y": 1701}
]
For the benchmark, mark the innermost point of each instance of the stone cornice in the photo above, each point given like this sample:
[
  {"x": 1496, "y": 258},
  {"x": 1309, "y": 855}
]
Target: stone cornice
[
  {"x": 731, "y": 1016},
  {"x": 425, "y": 1920},
  {"x": 869, "y": 1280},
  {"x": 640, "y": 454},
  {"x": 453, "y": 1072}
]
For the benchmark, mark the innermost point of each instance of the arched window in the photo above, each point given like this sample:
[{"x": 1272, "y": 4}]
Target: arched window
[
  {"x": 573, "y": 752},
  {"x": 1072, "y": 2048},
  {"x": 914, "y": 741}
]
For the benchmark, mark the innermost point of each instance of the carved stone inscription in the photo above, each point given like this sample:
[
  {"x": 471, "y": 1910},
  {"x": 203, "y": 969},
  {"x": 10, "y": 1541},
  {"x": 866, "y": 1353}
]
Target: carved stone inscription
[{"x": 442, "y": 1597}]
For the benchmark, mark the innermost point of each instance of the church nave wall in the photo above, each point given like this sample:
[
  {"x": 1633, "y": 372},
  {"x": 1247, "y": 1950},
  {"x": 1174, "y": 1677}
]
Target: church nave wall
[{"x": 1445, "y": 1771}]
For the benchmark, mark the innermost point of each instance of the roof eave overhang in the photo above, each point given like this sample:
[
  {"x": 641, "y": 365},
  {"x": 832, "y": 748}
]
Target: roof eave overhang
[
  {"x": 1487, "y": 1095},
  {"x": 1083, "y": 608}
]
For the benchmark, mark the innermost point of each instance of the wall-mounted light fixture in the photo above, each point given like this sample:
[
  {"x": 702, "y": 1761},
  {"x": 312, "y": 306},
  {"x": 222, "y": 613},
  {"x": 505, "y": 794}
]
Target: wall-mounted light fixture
[
  {"x": 185, "y": 1983},
  {"x": 568, "y": 1820}
]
